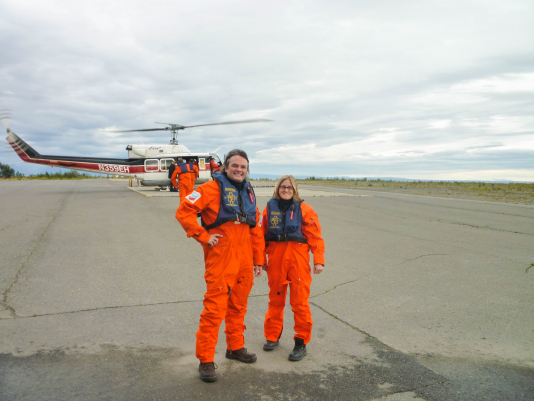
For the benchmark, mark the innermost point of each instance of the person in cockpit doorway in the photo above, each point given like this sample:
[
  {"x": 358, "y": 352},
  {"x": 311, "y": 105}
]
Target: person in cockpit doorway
[
  {"x": 172, "y": 167},
  {"x": 291, "y": 229},
  {"x": 214, "y": 167}
]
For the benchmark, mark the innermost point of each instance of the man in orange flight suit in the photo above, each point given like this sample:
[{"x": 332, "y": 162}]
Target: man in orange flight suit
[
  {"x": 233, "y": 245},
  {"x": 291, "y": 228},
  {"x": 214, "y": 167},
  {"x": 183, "y": 173}
]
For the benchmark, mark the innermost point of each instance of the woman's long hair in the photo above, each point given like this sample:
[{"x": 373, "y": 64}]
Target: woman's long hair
[{"x": 296, "y": 196}]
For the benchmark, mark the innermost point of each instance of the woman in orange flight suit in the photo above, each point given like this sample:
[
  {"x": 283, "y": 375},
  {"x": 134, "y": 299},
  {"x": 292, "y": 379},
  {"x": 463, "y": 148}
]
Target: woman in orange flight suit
[
  {"x": 194, "y": 175},
  {"x": 291, "y": 229},
  {"x": 214, "y": 167},
  {"x": 234, "y": 249}
]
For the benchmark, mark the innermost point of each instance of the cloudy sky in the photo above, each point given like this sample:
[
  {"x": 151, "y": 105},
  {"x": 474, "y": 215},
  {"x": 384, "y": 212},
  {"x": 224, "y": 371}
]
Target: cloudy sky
[{"x": 412, "y": 89}]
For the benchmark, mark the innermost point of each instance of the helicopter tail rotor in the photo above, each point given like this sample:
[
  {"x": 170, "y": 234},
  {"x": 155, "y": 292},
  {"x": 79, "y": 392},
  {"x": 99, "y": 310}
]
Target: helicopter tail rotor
[{"x": 5, "y": 117}]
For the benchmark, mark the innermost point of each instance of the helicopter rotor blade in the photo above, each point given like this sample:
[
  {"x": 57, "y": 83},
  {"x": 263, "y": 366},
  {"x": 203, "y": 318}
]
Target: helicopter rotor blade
[
  {"x": 256, "y": 120},
  {"x": 176, "y": 127},
  {"x": 140, "y": 130}
]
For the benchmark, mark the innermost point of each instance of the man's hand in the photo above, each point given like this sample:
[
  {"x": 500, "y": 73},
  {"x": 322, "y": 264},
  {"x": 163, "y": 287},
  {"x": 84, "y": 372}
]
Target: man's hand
[
  {"x": 214, "y": 239},
  {"x": 317, "y": 268},
  {"x": 257, "y": 270}
]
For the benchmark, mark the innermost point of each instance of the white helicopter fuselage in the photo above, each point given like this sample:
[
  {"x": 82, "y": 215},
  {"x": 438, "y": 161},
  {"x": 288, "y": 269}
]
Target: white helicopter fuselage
[{"x": 158, "y": 158}]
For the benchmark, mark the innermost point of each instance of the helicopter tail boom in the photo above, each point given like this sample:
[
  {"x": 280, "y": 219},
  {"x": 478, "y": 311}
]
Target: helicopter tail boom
[{"x": 125, "y": 167}]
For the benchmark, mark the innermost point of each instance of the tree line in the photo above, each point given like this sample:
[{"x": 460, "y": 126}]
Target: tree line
[{"x": 7, "y": 172}]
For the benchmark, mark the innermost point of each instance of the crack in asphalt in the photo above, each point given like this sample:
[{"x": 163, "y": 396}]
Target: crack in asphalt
[
  {"x": 5, "y": 294},
  {"x": 422, "y": 256},
  {"x": 106, "y": 307},
  {"x": 155, "y": 304},
  {"x": 333, "y": 288}
]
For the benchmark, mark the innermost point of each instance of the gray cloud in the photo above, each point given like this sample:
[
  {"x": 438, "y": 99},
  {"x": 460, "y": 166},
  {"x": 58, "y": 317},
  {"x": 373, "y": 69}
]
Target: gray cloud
[{"x": 408, "y": 84}]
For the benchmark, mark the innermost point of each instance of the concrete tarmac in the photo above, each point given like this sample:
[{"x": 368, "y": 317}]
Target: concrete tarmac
[{"x": 421, "y": 298}]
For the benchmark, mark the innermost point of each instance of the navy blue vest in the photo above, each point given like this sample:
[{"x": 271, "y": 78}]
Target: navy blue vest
[
  {"x": 282, "y": 228},
  {"x": 186, "y": 168},
  {"x": 235, "y": 205}
]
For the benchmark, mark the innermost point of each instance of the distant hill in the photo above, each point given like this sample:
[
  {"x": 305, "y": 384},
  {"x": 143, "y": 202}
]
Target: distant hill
[{"x": 259, "y": 176}]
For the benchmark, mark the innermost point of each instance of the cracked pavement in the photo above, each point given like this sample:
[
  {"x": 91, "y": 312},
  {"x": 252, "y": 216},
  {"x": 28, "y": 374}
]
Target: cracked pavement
[{"x": 421, "y": 299}]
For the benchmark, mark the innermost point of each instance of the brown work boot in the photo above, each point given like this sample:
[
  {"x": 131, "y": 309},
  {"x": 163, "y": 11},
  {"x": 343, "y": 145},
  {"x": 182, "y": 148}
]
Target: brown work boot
[
  {"x": 241, "y": 355},
  {"x": 207, "y": 371}
]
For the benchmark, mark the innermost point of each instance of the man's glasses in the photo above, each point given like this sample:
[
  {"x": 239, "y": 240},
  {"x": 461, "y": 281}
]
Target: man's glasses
[{"x": 285, "y": 187}]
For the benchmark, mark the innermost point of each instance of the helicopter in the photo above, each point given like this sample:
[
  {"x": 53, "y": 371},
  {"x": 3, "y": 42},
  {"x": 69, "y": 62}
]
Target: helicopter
[{"x": 149, "y": 164}]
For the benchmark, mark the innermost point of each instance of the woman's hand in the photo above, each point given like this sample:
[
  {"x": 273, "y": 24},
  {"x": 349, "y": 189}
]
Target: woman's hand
[{"x": 257, "y": 270}]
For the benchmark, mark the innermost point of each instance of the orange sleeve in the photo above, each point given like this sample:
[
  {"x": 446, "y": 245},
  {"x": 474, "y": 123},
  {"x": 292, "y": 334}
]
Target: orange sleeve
[
  {"x": 174, "y": 176},
  {"x": 264, "y": 222},
  {"x": 311, "y": 229},
  {"x": 202, "y": 198},
  {"x": 258, "y": 241},
  {"x": 195, "y": 168}
]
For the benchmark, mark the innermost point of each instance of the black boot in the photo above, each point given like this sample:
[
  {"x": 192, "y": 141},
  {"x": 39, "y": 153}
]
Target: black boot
[
  {"x": 269, "y": 345},
  {"x": 299, "y": 351}
]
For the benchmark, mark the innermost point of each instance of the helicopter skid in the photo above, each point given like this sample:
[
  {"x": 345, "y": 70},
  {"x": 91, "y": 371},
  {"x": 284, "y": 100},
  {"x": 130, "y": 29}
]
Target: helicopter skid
[{"x": 156, "y": 183}]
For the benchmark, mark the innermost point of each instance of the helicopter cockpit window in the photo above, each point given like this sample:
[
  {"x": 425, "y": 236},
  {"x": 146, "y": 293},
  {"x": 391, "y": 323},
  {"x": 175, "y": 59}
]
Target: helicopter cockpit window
[
  {"x": 202, "y": 163},
  {"x": 151, "y": 165}
]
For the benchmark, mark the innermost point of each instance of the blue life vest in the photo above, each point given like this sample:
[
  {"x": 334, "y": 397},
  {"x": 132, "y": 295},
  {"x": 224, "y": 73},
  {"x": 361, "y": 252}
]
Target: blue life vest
[
  {"x": 282, "y": 228},
  {"x": 186, "y": 167},
  {"x": 235, "y": 205}
]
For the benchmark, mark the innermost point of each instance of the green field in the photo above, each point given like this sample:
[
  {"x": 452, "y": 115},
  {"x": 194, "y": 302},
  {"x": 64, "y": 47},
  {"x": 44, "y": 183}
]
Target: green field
[{"x": 497, "y": 192}]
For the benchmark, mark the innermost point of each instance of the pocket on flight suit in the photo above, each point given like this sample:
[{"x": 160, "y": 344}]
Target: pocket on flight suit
[{"x": 241, "y": 289}]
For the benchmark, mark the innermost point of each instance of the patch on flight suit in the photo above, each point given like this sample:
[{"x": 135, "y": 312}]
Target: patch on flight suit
[{"x": 193, "y": 197}]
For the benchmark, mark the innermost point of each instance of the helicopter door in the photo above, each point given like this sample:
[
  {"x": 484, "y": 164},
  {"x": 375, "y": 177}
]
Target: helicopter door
[{"x": 151, "y": 165}]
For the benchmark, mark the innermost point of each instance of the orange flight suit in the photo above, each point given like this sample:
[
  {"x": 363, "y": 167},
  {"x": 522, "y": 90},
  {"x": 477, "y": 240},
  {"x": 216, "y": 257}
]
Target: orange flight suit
[
  {"x": 229, "y": 271},
  {"x": 289, "y": 263},
  {"x": 193, "y": 176},
  {"x": 214, "y": 166},
  {"x": 184, "y": 183}
]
